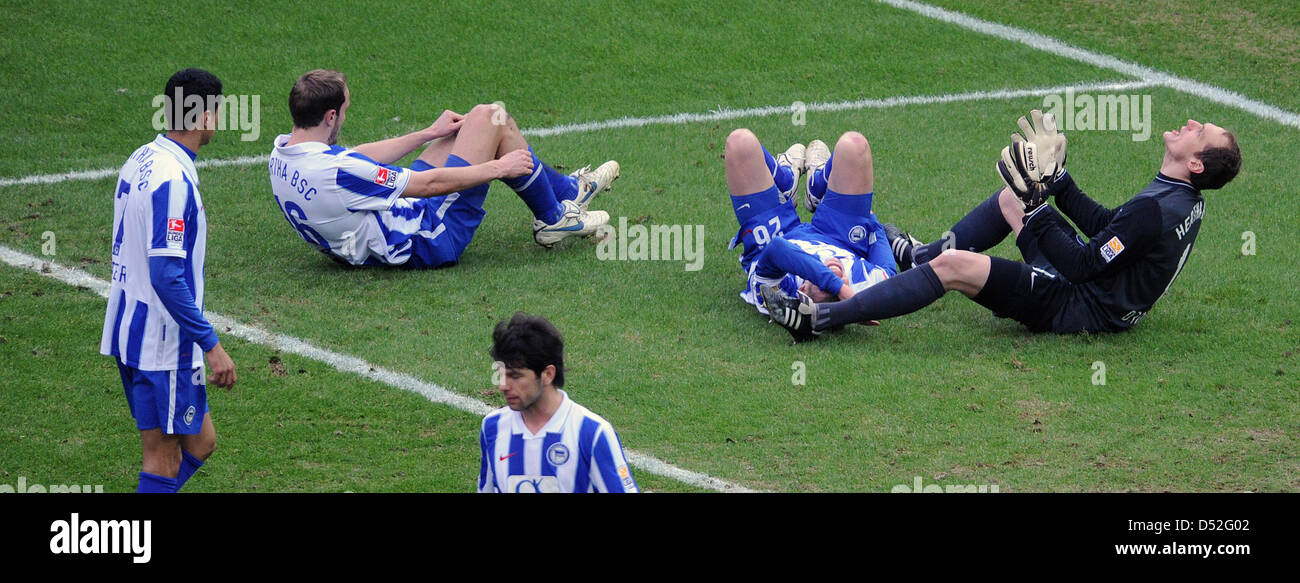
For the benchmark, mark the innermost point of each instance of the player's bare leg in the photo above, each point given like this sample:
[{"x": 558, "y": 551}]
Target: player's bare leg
[
  {"x": 963, "y": 271},
  {"x": 479, "y": 138},
  {"x": 854, "y": 171},
  {"x": 201, "y": 444},
  {"x": 747, "y": 171},
  {"x": 435, "y": 154},
  {"x": 162, "y": 453},
  {"x": 1012, "y": 210}
]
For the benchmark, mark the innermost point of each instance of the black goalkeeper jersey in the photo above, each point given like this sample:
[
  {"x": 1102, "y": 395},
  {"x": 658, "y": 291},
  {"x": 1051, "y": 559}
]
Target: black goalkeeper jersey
[{"x": 1134, "y": 252}]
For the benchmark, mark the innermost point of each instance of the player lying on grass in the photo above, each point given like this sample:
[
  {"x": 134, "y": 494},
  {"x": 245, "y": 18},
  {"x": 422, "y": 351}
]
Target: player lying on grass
[
  {"x": 356, "y": 207},
  {"x": 1065, "y": 285},
  {"x": 842, "y": 251}
]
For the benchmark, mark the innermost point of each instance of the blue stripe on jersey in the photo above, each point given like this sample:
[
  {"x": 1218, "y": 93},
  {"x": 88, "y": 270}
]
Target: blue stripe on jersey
[
  {"x": 361, "y": 186},
  {"x": 117, "y": 324},
  {"x": 605, "y": 461},
  {"x": 516, "y": 454},
  {"x": 334, "y": 150},
  {"x": 161, "y": 200},
  {"x": 360, "y": 156},
  {"x": 489, "y": 442},
  {"x": 123, "y": 187},
  {"x": 548, "y": 469},
  {"x": 586, "y": 435},
  {"x": 135, "y": 336}
]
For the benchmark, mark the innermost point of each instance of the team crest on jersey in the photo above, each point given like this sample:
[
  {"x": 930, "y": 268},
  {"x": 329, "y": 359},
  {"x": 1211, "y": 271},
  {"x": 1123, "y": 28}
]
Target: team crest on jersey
[
  {"x": 175, "y": 233},
  {"x": 1112, "y": 249},
  {"x": 557, "y": 454},
  {"x": 857, "y": 233},
  {"x": 386, "y": 177}
]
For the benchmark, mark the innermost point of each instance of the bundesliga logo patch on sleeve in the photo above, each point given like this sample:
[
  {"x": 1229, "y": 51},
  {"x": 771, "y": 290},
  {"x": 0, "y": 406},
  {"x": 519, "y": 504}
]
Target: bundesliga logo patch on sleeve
[
  {"x": 386, "y": 177},
  {"x": 175, "y": 233},
  {"x": 1112, "y": 249}
]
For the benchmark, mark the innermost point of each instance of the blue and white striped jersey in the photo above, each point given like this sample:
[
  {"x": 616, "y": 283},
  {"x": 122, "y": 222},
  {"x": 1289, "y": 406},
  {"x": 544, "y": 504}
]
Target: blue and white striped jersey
[
  {"x": 576, "y": 451},
  {"x": 862, "y": 273},
  {"x": 157, "y": 212},
  {"x": 339, "y": 200}
]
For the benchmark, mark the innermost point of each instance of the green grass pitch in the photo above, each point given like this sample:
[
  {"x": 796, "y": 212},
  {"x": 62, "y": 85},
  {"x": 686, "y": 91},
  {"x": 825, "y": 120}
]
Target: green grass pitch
[{"x": 1201, "y": 396}]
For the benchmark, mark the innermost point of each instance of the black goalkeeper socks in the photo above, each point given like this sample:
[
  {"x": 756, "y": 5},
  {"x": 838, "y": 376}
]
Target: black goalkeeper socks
[
  {"x": 981, "y": 229},
  {"x": 904, "y": 293}
]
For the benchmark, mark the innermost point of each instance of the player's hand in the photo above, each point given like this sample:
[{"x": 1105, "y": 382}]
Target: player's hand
[
  {"x": 1040, "y": 130},
  {"x": 846, "y": 292},
  {"x": 515, "y": 164},
  {"x": 1018, "y": 168},
  {"x": 447, "y": 124},
  {"x": 221, "y": 366}
]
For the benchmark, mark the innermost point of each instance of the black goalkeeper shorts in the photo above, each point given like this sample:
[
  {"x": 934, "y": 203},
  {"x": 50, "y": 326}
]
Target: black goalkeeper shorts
[{"x": 1039, "y": 298}]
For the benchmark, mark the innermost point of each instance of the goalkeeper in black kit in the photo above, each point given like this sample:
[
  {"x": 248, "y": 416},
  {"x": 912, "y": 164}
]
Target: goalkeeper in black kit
[{"x": 1106, "y": 284}]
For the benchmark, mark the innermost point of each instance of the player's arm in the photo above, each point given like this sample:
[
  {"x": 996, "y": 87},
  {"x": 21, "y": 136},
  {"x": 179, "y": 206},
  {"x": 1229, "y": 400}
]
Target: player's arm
[
  {"x": 167, "y": 256},
  {"x": 879, "y": 253},
  {"x": 608, "y": 464},
  {"x": 1135, "y": 228},
  {"x": 440, "y": 181},
  {"x": 394, "y": 149},
  {"x": 486, "y": 481},
  {"x": 1089, "y": 215},
  {"x": 780, "y": 257}
]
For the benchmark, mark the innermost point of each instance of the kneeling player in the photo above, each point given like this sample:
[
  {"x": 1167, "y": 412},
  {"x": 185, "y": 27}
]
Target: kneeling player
[
  {"x": 356, "y": 207},
  {"x": 1107, "y": 284},
  {"x": 842, "y": 251}
]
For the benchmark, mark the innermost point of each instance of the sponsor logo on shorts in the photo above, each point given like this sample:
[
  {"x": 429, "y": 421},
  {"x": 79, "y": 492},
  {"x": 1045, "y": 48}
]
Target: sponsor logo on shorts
[
  {"x": 1112, "y": 249},
  {"x": 386, "y": 177},
  {"x": 557, "y": 454}
]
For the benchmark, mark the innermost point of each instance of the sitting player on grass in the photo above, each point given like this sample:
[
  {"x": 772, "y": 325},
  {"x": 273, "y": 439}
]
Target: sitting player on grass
[
  {"x": 842, "y": 251},
  {"x": 1107, "y": 284},
  {"x": 356, "y": 207}
]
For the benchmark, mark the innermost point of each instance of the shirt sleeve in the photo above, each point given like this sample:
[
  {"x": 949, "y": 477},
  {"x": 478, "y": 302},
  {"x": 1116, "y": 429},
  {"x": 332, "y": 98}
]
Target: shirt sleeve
[
  {"x": 1134, "y": 229},
  {"x": 167, "y": 275},
  {"x": 485, "y": 479},
  {"x": 368, "y": 185},
  {"x": 1089, "y": 215},
  {"x": 608, "y": 465},
  {"x": 169, "y": 232},
  {"x": 780, "y": 257},
  {"x": 879, "y": 253}
]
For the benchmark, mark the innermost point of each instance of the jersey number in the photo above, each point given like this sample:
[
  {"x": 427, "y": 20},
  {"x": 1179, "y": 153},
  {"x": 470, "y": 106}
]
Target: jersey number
[
  {"x": 761, "y": 235},
  {"x": 294, "y": 214}
]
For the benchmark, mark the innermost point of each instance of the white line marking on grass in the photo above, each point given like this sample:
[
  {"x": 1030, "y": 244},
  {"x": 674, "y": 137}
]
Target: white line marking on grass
[
  {"x": 346, "y": 363},
  {"x": 672, "y": 119},
  {"x": 1056, "y": 47}
]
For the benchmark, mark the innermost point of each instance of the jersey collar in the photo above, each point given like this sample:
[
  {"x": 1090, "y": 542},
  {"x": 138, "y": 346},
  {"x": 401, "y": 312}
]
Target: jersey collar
[
  {"x": 1161, "y": 177},
  {"x": 304, "y": 147},
  {"x": 181, "y": 154},
  {"x": 553, "y": 425}
]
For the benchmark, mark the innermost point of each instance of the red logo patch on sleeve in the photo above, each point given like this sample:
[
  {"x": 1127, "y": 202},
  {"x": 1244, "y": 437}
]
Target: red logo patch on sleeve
[
  {"x": 382, "y": 177},
  {"x": 176, "y": 225}
]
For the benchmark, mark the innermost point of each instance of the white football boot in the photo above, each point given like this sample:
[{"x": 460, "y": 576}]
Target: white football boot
[
  {"x": 591, "y": 181},
  {"x": 815, "y": 158},
  {"x": 576, "y": 221},
  {"x": 792, "y": 157}
]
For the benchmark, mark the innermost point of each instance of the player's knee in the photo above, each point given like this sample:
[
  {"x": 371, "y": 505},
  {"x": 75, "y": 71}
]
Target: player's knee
[
  {"x": 742, "y": 141},
  {"x": 852, "y": 146},
  {"x": 952, "y": 266}
]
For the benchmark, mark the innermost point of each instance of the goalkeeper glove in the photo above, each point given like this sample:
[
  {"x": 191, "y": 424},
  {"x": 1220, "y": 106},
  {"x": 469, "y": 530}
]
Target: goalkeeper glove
[
  {"x": 1019, "y": 169},
  {"x": 1049, "y": 144}
]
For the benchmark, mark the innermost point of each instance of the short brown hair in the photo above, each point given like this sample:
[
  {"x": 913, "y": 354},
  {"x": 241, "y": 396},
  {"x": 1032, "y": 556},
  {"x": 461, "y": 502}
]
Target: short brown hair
[
  {"x": 1221, "y": 165},
  {"x": 315, "y": 93}
]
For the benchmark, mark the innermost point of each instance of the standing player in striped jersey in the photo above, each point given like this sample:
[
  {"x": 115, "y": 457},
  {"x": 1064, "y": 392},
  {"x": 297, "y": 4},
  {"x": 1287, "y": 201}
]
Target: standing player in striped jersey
[
  {"x": 840, "y": 252},
  {"x": 542, "y": 441},
  {"x": 356, "y": 207},
  {"x": 154, "y": 325}
]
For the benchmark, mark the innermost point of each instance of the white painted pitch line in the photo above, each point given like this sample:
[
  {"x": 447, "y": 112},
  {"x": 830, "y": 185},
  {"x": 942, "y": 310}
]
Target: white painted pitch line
[
  {"x": 346, "y": 363},
  {"x": 671, "y": 119},
  {"x": 1056, "y": 47}
]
